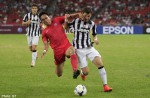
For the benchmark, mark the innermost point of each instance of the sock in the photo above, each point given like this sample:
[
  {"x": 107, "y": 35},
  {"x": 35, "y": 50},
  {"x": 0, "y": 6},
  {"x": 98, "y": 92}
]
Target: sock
[
  {"x": 34, "y": 54},
  {"x": 74, "y": 62},
  {"x": 103, "y": 75},
  {"x": 82, "y": 72}
]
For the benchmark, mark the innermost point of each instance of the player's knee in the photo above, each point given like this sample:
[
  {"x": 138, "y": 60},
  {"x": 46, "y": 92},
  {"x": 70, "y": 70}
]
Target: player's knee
[
  {"x": 97, "y": 61},
  {"x": 33, "y": 48}
]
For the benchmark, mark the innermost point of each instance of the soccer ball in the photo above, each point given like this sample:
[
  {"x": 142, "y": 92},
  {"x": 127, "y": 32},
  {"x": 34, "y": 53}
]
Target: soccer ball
[{"x": 80, "y": 90}]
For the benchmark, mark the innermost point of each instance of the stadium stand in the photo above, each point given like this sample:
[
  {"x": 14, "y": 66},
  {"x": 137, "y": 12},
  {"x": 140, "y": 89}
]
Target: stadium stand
[
  {"x": 12, "y": 11},
  {"x": 125, "y": 12},
  {"x": 105, "y": 12}
]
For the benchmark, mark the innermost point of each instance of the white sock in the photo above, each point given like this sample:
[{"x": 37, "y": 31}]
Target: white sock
[
  {"x": 103, "y": 75},
  {"x": 34, "y": 54}
]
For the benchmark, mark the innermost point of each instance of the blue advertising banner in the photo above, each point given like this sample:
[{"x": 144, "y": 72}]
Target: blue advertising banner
[{"x": 119, "y": 29}]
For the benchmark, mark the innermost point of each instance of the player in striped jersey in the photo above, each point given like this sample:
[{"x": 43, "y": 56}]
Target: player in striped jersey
[
  {"x": 81, "y": 27},
  {"x": 32, "y": 21}
]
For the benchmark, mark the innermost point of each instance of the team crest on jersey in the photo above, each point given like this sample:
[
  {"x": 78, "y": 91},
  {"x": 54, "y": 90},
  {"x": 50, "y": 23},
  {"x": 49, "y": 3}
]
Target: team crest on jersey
[{"x": 55, "y": 24}]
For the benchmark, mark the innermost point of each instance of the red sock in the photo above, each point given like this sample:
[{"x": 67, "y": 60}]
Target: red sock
[{"x": 74, "y": 62}]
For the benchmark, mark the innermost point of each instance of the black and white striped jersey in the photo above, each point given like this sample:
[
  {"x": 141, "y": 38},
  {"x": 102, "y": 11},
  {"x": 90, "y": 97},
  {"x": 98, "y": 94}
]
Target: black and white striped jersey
[
  {"x": 81, "y": 32},
  {"x": 34, "y": 28}
]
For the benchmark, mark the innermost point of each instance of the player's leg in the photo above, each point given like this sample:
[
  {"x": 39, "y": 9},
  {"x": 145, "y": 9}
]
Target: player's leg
[
  {"x": 34, "y": 54},
  {"x": 59, "y": 61},
  {"x": 59, "y": 69},
  {"x": 95, "y": 57},
  {"x": 102, "y": 72},
  {"x": 70, "y": 52},
  {"x": 35, "y": 41},
  {"x": 84, "y": 72},
  {"x": 81, "y": 53},
  {"x": 98, "y": 62},
  {"x": 29, "y": 39}
]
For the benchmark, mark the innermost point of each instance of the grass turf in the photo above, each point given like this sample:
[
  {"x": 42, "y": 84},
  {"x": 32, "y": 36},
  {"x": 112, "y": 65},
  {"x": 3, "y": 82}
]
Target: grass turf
[{"x": 126, "y": 59}]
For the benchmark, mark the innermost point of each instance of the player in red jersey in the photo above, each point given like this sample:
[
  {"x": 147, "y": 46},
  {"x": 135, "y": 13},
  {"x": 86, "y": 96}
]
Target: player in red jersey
[{"x": 55, "y": 34}]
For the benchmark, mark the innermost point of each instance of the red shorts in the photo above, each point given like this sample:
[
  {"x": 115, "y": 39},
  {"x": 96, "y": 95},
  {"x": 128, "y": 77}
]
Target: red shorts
[{"x": 59, "y": 54}]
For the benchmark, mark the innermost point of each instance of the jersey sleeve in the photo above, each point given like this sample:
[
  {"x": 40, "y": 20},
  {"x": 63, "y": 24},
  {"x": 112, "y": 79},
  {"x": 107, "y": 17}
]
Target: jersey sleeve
[
  {"x": 72, "y": 22},
  {"x": 25, "y": 18},
  {"x": 44, "y": 38},
  {"x": 94, "y": 31},
  {"x": 61, "y": 19}
]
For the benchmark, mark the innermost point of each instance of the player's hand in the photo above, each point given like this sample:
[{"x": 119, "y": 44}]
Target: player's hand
[
  {"x": 28, "y": 22},
  {"x": 67, "y": 16},
  {"x": 96, "y": 42},
  {"x": 43, "y": 53}
]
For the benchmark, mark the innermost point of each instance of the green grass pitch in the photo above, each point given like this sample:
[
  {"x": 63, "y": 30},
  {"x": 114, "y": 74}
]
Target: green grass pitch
[{"x": 126, "y": 59}]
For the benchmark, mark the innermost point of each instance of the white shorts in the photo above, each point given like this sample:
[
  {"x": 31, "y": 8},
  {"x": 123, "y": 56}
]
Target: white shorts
[
  {"x": 85, "y": 53},
  {"x": 32, "y": 40}
]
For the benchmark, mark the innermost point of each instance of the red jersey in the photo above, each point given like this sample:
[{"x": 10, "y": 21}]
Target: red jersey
[{"x": 55, "y": 33}]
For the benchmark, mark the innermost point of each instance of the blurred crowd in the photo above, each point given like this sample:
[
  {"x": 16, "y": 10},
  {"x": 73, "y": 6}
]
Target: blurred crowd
[
  {"x": 125, "y": 12},
  {"x": 105, "y": 12},
  {"x": 12, "y": 11}
]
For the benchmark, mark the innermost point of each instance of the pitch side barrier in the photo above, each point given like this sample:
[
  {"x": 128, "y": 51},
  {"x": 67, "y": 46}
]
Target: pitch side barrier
[
  {"x": 121, "y": 29},
  {"x": 12, "y": 29},
  {"x": 18, "y": 29}
]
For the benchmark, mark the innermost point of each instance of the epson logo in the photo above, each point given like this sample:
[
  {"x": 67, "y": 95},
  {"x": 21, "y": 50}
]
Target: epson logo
[{"x": 118, "y": 30}]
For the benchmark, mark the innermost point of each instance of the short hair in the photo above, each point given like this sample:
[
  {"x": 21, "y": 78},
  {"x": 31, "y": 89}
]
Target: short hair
[
  {"x": 34, "y": 5},
  {"x": 87, "y": 10},
  {"x": 42, "y": 13}
]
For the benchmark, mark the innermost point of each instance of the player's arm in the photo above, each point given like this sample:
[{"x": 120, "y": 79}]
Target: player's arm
[
  {"x": 45, "y": 42},
  {"x": 95, "y": 39},
  {"x": 45, "y": 45},
  {"x": 72, "y": 16},
  {"x": 26, "y": 21},
  {"x": 65, "y": 18},
  {"x": 69, "y": 18},
  {"x": 45, "y": 48}
]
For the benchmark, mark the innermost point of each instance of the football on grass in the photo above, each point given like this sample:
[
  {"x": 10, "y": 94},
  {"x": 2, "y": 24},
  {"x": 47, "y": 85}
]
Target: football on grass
[{"x": 80, "y": 90}]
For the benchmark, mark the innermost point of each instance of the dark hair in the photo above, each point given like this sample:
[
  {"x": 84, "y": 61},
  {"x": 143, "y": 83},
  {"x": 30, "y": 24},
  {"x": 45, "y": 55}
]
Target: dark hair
[
  {"x": 34, "y": 5},
  {"x": 42, "y": 13},
  {"x": 87, "y": 10}
]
